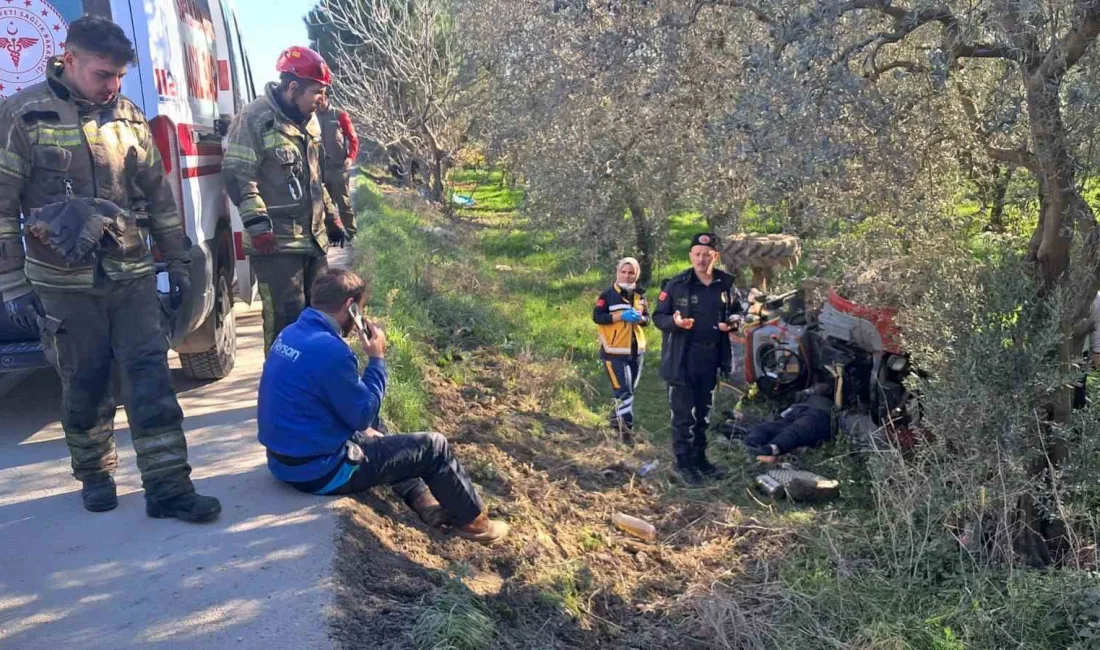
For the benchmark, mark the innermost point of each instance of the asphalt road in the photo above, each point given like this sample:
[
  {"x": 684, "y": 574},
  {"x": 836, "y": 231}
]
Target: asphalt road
[{"x": 257, "y": 578}]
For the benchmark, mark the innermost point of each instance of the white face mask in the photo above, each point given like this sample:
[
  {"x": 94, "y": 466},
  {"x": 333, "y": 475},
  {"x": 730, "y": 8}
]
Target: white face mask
[{"x": 629, "y": 286}]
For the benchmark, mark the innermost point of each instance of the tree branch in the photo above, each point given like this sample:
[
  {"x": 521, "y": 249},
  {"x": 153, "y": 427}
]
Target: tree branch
[
  {"x": 1061, "y": 58},
  {"x": 693, "y": 16},
  {"x": 1019, "y": 157}
]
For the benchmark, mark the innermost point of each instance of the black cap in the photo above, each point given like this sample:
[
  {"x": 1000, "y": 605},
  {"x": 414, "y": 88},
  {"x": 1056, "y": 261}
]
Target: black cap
[{"x": 707, "y": 239}]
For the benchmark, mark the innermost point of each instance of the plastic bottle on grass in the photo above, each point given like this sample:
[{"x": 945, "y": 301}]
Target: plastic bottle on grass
[{"x": 634, "y": 526}]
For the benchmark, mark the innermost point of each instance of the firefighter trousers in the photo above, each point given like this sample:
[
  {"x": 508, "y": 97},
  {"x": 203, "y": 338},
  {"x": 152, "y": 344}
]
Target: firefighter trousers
[
  {"x": 338, "y": 183},
  {"x": 118, "y": 323},
  {"x": 285, "y": 281},
  {"x": 624, "y": 373}
]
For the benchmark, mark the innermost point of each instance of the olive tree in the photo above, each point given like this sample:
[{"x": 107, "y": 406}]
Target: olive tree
[{"x": 397, "y": 74}]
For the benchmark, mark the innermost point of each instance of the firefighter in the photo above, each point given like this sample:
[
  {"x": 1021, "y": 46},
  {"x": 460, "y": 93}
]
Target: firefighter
[
  {"x": 273, "y": 173},
  {"x": 78, "y": 160},
  {"x": 621, "y": 313},
  {"x": 341, "y": 147},
  {"x": 695, "y": 312}
]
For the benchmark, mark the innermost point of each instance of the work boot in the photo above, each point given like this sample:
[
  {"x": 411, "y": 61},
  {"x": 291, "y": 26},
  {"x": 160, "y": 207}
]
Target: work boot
[
  {"x": 429, "y": 510},
  {"x": 99, "y": 494},
  {"x": 688, "y": 473},
  {"x": 189, "y": 506},
  {"x": 483, "y": 530},
  {"x": 708, "y": 469}
]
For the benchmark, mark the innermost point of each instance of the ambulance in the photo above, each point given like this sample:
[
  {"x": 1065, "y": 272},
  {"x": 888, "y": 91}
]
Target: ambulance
[{"x": 191, "y": 78}]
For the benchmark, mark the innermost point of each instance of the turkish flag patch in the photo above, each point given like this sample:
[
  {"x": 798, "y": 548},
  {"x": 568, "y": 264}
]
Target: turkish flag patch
[
  {"x": 663, "y": 296},
  {"x": 601, "y": 303}
]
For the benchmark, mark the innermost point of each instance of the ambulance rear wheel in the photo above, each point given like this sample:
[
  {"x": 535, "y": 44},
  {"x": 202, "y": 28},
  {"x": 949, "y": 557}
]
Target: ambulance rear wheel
[{"x": 217, "y": 362}]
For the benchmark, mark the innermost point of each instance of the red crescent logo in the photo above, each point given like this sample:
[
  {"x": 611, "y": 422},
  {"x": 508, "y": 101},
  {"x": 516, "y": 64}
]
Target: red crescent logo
[{"x": 35, "y": 32}]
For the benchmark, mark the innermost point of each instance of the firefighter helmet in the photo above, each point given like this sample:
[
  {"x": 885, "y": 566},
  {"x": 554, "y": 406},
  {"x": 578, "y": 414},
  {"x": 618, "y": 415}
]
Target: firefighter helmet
[{"x": 304, "y": 63}]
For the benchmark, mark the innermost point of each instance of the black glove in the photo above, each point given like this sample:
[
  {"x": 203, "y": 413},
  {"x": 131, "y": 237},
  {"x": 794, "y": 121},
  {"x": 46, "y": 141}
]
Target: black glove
[
  {"x": 337, "y": 236},
  {"x": 74, "y": 228},
  {"x": 25, "y": 311},
  {"x": 179, "y": 284}
]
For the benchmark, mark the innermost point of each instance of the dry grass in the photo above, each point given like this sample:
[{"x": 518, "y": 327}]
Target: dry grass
[{"x": 566, "y": 578}]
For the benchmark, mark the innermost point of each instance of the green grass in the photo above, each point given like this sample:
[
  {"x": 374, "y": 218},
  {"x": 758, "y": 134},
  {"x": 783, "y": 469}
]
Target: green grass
[
  {"x": 439, "y": 300},
  {"x": 454, "y": 620}
]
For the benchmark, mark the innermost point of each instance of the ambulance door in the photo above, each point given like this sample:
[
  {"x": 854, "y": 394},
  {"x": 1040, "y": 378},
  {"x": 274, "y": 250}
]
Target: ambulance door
[{"x": 233, "y": 95}]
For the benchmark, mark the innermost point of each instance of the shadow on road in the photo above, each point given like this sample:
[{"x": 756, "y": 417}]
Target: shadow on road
[{"x": 256, "y": 578}]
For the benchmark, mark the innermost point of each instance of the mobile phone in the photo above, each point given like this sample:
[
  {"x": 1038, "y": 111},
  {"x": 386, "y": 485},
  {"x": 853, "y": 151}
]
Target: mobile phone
[{"x": 357, "y": 316}]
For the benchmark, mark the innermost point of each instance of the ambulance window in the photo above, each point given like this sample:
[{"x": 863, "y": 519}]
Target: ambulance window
[
  {"x": 236, "y": 60},
  {"x": 250, "y": 85}
]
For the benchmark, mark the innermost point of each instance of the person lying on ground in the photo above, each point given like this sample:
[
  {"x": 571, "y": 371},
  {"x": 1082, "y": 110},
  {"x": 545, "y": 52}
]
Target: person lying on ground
[
  {"x": 807, "y": 423},
  {"x": 622, "y": 313},
  {"x": 318, "y": 418}
]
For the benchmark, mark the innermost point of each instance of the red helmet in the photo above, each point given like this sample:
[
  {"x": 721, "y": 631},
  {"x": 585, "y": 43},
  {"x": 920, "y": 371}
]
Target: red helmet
[{"x": 304, "y": 63}]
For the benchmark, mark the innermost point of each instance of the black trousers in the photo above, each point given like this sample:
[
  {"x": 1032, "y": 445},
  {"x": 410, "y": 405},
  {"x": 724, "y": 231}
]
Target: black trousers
[
  {"x": 411, "y": 463},
  {"x": 690, "y": 404}
]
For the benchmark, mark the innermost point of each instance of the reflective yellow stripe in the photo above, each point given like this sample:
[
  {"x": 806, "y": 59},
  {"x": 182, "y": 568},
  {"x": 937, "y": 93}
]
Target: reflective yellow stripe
[
  {"x": 240, "y": 152},
  {"x": 275, "y": 139},
  {"x": 13, "y": 164},
  {"x": 252, "y": 206},
  {"x": 611, "y": 373},
  {"x": 58, "y": 136}
]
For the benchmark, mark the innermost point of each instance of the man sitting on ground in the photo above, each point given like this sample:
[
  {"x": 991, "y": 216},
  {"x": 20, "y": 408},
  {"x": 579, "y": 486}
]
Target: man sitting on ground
[{"x": 318, "y": 419}]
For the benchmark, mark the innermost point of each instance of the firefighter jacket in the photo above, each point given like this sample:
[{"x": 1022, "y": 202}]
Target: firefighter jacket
[
  {"x": 56, "y": 146},
  {"x": 338, "y": 138},
  {"x": 619, "y": 339},
  {"x": 272, "y": 171},
  {"x": 679, "y": 294}
]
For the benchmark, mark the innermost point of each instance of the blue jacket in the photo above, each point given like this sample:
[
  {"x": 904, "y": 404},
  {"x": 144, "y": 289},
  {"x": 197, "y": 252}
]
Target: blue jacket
[{"x": 312, "y": 399}]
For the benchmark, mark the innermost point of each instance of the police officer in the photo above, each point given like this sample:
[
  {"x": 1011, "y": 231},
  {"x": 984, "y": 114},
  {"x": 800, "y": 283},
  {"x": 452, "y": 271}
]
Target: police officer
[
  {"x": 341, "y": 146},
  {"x": 693, "y": 312},
  {"x": 273, "y": 173},
  {"x": 621, "y": 313},
  {"x": 79, "y": 161}
]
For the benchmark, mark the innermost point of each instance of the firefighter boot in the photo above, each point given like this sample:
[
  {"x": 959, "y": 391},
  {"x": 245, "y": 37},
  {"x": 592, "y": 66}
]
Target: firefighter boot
[
  {"x": 688, "y": 472},
  {"x": 708, "y": 469},
  {"x": 189, "y": 506},
  {"x": 429, "y": 510},
  {"x": 99, "y": 494}
]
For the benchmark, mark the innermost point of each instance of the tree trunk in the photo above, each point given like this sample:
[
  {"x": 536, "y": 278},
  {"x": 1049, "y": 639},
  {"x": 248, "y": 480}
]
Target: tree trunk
[
  {"x": 996, "y": 198},
  {"x": 1062, "y": 209},
  {"x": 437, "y": 175},
  {"x": 643, "y": 234}
]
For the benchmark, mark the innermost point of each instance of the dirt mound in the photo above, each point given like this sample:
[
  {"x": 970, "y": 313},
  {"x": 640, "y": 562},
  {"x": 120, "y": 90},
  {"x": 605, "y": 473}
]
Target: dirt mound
[{"x": 565, "y": 578}]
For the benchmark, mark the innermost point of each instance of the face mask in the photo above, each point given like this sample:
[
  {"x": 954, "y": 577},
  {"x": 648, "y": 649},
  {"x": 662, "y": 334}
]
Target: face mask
[{"x": 629, "y": 286}]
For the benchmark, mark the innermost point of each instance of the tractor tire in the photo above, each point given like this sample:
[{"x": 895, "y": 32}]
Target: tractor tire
[
  {"x": 217, "y": 362},
  {"x": 762, "y": 251}
]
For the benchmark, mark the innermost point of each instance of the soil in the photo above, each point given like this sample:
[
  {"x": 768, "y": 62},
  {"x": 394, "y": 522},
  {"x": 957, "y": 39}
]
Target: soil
[{"x": 565, "y": 577}]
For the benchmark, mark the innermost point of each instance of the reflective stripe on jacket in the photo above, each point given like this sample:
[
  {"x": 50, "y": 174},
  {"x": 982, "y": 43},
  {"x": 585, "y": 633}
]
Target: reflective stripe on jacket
[
  {"x": 269, "y": 159},
  {"x": 619, "y": 338},
  {"x": 55, "y": 146}
]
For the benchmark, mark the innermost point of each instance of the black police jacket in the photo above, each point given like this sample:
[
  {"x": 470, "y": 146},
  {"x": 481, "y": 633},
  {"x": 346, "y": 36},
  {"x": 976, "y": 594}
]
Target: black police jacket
[{"x": 676, "y": 296}]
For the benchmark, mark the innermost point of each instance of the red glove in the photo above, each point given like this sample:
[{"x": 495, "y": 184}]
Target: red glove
[{"x": 265, "y": 243}]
